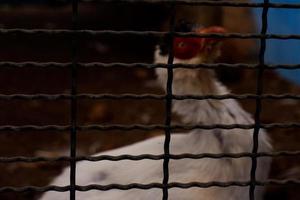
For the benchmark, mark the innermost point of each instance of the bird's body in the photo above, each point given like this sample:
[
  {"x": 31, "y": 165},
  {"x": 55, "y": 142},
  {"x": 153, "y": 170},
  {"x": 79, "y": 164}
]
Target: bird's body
[
  {"x": 208, "y": 112},
  {"x": 150, "y": 171}
]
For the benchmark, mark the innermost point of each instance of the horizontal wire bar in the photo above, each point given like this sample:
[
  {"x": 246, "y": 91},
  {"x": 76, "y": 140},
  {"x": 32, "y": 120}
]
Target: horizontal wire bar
[
  {"x": 143, "y": 96},
  {"x": 143, "y": 33},
  {"x": 35, "y": 97},
  {"x": 202, "y": 3},
  {"x": 35, "y": 128},
  {"x": 144, "y": 127},
  {"x": 145, "y": 65},
  {"x": 34, "y": 188},
  {"x": 8, "y": 97},
  {"x": 25, "y": 159},
  {"x": 206, "y": 3},
  {"x": 147, "y": 186}
]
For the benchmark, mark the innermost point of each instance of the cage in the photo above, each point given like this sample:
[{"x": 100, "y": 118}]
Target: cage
[{"x": 73, "y": 81}]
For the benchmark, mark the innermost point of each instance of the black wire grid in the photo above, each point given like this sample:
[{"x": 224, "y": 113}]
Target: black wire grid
[{"x": 74, "y": 96}]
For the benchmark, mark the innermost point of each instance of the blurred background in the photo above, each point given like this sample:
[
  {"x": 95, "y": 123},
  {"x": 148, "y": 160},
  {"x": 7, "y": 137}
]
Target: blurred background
[
  {"x": 283, "y": 21},
  {"x": 56, "y": 14}
]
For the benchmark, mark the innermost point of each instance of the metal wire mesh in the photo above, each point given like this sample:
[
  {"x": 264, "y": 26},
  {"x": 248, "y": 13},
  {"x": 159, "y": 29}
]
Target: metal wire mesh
[
  {"x": 259, "y": 91},
  {"x": 73, "y": 132},
  {"x": 167, "y": 127}
]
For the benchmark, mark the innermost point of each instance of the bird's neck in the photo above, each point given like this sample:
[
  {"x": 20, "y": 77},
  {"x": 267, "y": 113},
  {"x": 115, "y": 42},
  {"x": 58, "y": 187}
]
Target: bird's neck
[{"x": 208, "y": 111}]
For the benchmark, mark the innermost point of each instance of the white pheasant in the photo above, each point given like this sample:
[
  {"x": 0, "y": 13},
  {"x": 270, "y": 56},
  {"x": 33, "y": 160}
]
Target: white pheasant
[{"x": 186, "y": 81}]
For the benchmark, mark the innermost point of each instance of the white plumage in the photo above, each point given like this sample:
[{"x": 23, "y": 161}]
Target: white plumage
[{"x": 186, "y": 81}]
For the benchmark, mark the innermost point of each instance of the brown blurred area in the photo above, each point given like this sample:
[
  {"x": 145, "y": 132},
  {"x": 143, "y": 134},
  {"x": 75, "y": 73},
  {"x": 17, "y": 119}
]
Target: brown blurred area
[{"x": 94, "y": 80}]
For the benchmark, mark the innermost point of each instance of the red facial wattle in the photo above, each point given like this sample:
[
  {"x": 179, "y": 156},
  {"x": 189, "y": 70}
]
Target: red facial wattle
[{"x": 187, "y": 48}]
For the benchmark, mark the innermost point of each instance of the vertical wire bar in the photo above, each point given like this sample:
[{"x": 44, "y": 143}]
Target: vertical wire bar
[
  {"x": 73, "y": 133},
  {"x": 168, "y": 118},
  {"x": 259, "y": 91}
]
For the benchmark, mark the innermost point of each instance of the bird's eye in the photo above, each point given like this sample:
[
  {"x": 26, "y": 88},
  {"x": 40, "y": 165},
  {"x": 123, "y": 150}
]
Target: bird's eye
[
  {"x": 186, "y": 48},
  {"x": 181, "y": 44}
]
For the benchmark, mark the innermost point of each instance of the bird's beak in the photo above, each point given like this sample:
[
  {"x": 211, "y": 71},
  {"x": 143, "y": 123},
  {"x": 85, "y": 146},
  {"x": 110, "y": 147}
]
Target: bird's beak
[{"x": 208, "y": 44}]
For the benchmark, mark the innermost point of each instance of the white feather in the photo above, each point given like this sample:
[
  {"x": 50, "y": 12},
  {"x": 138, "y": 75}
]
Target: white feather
[{"x": 207, "y": 112}]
